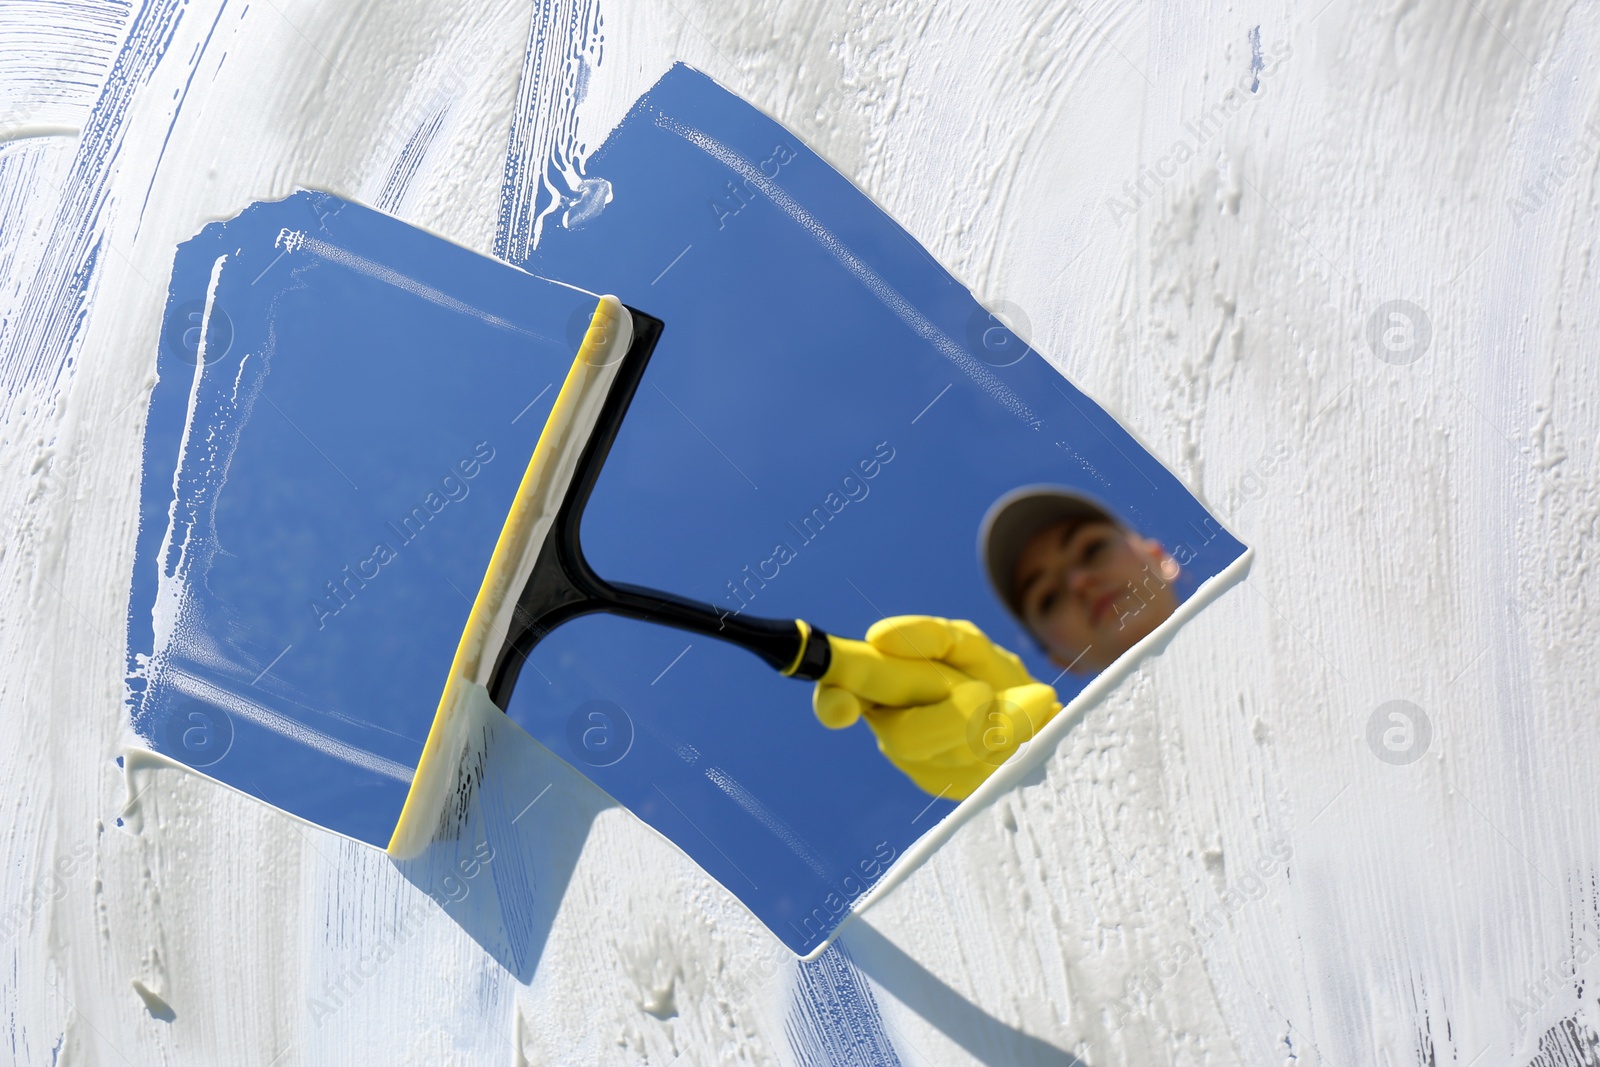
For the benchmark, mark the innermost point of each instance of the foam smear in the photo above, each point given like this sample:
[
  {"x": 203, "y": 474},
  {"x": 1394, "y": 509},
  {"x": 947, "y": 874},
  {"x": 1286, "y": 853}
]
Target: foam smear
[
  {"x": 222, "y": 395},
  {"x": 545, "y": 157}
]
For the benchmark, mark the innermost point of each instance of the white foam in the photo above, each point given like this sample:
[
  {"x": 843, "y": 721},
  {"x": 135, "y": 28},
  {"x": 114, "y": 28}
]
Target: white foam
[{"x": 1421, "y": 532}]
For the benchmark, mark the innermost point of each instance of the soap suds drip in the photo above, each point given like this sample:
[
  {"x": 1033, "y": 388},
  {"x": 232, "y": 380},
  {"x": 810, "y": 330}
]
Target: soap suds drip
[{"x": 158, "y": 1008}]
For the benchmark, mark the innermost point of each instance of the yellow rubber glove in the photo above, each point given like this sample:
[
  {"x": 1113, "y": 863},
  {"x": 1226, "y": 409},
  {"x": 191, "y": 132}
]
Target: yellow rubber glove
[{"x": 948, "y": 705}]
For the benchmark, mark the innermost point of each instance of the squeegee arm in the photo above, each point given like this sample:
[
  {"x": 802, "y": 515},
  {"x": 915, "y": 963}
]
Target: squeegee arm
[
  {"x": 792, "y": 647},
  {"x": 782, "y": 643},
  {"x": 562, "y": 586}
]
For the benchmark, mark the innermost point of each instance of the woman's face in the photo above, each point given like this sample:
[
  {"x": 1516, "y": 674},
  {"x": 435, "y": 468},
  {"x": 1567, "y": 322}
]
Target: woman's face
[{"x": 1090, "y": 590}]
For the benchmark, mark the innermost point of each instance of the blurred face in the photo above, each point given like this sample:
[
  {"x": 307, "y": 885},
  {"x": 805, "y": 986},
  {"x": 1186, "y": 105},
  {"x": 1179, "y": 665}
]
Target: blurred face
[{"x": 1090, "y": 590}]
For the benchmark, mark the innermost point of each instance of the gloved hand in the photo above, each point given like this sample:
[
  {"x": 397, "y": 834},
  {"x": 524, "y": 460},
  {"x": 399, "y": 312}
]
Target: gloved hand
[{"x": 948, "y": 705}]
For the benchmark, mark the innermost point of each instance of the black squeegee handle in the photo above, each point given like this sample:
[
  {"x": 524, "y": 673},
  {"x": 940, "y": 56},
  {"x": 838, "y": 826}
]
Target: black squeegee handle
[{"x": 563, "y": 586}]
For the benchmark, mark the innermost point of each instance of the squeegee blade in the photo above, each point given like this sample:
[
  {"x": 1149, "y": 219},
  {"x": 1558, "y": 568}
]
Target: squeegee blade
[{"x": 444, "y": 775}]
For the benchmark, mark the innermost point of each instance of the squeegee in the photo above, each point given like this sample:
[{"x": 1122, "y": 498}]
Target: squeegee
[{"x": 538, "y": 577}]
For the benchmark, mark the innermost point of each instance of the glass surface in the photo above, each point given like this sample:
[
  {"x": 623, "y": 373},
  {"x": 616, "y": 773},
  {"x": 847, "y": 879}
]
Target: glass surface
[{"x": 825, "y": 422}]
